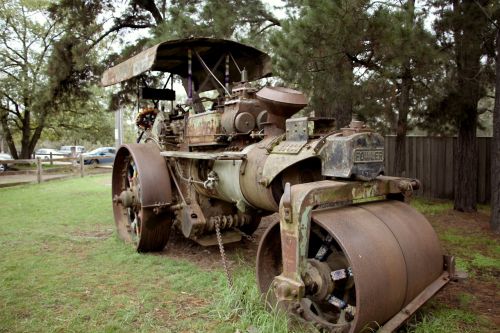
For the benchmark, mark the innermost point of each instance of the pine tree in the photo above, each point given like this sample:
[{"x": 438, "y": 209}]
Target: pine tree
[{"x": 465, "y": 33}]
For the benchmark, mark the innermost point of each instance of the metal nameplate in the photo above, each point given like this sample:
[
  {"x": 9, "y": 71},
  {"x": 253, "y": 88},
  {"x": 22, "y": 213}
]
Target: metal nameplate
[
  {"x": 368, "y": 155},
  {"x": 289, "y": 147}
]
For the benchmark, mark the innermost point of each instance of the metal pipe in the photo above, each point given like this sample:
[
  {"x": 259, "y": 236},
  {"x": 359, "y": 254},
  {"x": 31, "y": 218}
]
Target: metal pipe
[
  {"x": 210, "y": 72},
  {"x": 226, "y": 78},
  {"x": 190, "y": 74}
]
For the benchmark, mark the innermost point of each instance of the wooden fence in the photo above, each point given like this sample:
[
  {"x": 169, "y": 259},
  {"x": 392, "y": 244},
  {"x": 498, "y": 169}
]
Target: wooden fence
[
  {"x": 33, "y": 170},
  {"x": 430, "y": 159}
]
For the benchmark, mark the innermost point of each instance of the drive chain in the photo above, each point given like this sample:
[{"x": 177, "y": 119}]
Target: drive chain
[
  {"x": 248, "y": 237},
  {"x": 222, "y": 253}
]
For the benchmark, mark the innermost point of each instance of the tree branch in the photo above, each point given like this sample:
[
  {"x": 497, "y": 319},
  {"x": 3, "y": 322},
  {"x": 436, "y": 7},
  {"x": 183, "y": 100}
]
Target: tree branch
[
  {"x": 487, "y": 14},
  {"x": 118, "y": 27},
  {"x": 150, "y": 6},
  {"x": 265, "y": 28}
]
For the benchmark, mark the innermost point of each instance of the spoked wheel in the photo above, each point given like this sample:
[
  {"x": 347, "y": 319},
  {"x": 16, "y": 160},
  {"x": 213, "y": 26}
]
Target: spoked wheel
[
  {"x": 365, "y": 263},
  {"x": 141, "y": 197}
]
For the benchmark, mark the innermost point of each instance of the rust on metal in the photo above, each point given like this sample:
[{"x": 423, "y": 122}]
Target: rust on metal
[
  {"x": 171, "y": 57},
  {"x": 347, "y": 254},
  {"x": 141, "y": 192},
  {"x": 204, "y": 128},
  {"x": 395, "y": 322}
]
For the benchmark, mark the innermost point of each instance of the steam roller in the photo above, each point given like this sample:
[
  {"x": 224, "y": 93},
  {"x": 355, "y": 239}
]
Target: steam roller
[{"x": 348, "y": 253}]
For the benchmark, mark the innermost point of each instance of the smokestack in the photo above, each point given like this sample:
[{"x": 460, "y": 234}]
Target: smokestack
[{"x": 280, "y": 103}]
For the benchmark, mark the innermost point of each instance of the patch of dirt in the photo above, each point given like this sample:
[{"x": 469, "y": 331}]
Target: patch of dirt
[
  {"x": 484, "y": 298},
  {"x": 93, "y": 234},
  {"x": 482, "y": 285},
  {"x": 209, "y": 257},
  {"x": 477, "y": 223}
]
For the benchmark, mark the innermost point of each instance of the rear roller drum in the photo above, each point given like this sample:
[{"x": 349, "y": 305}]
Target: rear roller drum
[
  {"x": 365, "y": 263},
  {"x": 141, "y": 197}
]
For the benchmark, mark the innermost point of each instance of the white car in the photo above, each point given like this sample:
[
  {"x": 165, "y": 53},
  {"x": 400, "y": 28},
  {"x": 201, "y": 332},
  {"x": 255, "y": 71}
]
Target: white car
[
  {"x": 4, "y": 156},
  {"x": 67, "y": 151},
  {"x": 44, "y": 153}
]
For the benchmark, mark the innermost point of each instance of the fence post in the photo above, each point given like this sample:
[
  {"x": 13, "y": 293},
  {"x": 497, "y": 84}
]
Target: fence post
[
  {"x": 51, "y": 161},
  {"x": 38, "y": 170},
  {"x": 81, "y": 165}
]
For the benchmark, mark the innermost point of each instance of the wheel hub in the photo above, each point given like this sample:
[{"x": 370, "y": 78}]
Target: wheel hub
[
  {"x": 318, "y": 282},
  {"x": 128, "y": 198}
]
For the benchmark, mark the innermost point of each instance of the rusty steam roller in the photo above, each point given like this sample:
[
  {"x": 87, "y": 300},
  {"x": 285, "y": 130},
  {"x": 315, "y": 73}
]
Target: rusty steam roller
[{"x": 348, "y": 253}]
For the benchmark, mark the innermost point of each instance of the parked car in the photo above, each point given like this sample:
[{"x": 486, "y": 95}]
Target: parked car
[
  {"x": 67, "y": 151},
  {"x": 44, "y": 153},
  {"x": 4, "y": 156},
  {"x": 101, "y": 155}
]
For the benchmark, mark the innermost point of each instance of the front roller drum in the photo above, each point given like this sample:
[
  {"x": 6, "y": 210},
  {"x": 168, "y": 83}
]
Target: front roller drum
[
  {"x": 141, "y": 197},
  {"x": 365, "y": 263}
]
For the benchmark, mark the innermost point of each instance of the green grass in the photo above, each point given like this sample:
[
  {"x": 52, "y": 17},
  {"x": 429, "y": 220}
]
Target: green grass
[
  {"x": 445, "y": 320},
  {"x": 431, "y": 207},
  {"x": 476, "y": 252},
  {"x": 62, "y": 269}
]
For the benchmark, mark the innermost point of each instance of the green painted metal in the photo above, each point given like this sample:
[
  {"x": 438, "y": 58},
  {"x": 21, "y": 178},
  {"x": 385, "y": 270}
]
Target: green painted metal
[{"x": 295, "y": 211}]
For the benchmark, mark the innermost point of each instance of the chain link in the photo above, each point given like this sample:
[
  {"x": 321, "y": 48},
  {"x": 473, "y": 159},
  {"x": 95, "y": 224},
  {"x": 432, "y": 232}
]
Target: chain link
[
  {"x": 222, "y": 253},
  {"x": 248, "y": 237}
]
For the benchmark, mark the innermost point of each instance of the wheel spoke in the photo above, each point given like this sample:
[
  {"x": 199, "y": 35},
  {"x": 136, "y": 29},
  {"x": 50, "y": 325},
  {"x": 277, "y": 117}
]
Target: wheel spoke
[
  {"x": 341, "y": 274},
  {"x": 342, "y": 305},
  {"x": 325, "y": 249}
]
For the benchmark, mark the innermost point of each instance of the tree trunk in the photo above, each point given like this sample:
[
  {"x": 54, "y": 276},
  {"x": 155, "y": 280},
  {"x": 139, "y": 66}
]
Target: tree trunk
[
  {"x": 8, "y": 137},
  {"x": 335, "y": 94},
  {"x": 342, "y": 105},
  {"x": 25, "y": 136},
  {"x": 465, "y": 165},
  {"x": 404, "y": 100},
  {"x": 402, "y": 126},
  {"x": 468, "y": 58},
  {"x": 495, "y": 148}
]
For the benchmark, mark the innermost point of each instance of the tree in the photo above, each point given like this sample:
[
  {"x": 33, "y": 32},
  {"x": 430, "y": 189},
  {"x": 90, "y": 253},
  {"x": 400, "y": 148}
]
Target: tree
[
  {"x": 247, "y": 21},
  {"x": 402, "y": 62},
  {"x": 315, "y": 50},
  {"x": 495, "y": 146},
  {"x": 25, "y": 46},
  {"x": 47, "y": 68},
  {"x": 465, "y": 34}
]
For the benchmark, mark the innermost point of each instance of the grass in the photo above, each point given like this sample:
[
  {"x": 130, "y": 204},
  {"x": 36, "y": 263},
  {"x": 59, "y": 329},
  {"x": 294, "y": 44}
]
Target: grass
[
  {"x": 444, "y": 320},
  {"x": 477, "y": 253},
  {"x": 431, "y": 207},
  {"x": 62, "y": 269}
]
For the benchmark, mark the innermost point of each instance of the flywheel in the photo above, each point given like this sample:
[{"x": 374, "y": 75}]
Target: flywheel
[
  {"x": 365, "y": 263},
  {"x": 141, "y": 197}
]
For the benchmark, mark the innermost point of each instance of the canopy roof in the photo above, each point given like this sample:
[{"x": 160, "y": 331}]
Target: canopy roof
[{"x": 172, "y": 57}]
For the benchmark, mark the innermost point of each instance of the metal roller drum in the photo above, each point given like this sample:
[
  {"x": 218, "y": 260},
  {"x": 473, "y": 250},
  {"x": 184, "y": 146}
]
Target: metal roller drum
[{"x": 391, "y": 250}]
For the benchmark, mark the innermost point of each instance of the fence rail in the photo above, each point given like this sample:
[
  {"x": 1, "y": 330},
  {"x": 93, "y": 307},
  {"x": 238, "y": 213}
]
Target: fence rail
[
  {"x": 430, "y": 159},
  {"x": 35, "y": 172}
]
